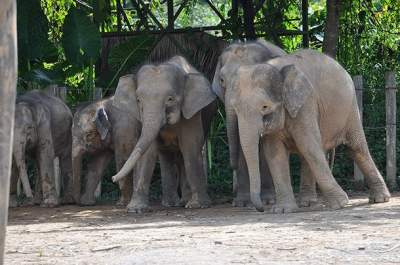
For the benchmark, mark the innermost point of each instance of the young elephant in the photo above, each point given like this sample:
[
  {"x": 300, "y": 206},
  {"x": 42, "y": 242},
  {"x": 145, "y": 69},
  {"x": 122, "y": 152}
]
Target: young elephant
[
  {"x": 304, "y": 103},
  {"x": 42, "y": 131},
  {"x": 234, "y": 55},
  {"x": 174, "y": 103},
  {"x": 102, "y": 130}
]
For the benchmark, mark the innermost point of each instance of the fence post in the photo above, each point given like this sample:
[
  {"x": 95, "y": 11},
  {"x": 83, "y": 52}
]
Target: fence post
[
  {"x": 390, "y": 87},
  {"x": 358, "y": 84},
  {"x": 8, "y": 84},
  {"x": 97, "y": 95}
]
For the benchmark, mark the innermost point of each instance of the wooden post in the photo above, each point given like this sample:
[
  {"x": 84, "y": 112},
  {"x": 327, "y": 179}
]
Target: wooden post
[
  {"x": 8, "y": 82},
  {"x": 390, "y": 87},
  {"x": 358, "y": 84},
  {"x": 97, "y": 95}
]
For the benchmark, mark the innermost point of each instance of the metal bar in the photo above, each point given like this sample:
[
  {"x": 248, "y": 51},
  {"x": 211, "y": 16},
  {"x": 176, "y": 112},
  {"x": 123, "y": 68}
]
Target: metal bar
[
  {"x": 304, "y": 14},
  {"x": 359, "y": 87},
  {"x": 151, "y": 15},
  {"x": 136, "y": 33},
  {"x": 119, "y": 22},
  {"x": 216, "y": 11},
  {"x": 391, "y": 169},
  {"x": 170, "y": 10},
  {"x": 126, "y": 19},
  {"x": 178, "y": 12}
]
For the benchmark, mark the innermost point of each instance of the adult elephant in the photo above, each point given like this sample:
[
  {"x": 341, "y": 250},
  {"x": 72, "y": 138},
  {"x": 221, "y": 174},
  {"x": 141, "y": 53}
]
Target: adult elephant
[
  {"x": 234, "y": 55},
  {"x": 42, "y": 130},
  {"x": 175, "y": 104},
  {"x": 304, "y": 103},
  {"x": 100, "y": 131}
]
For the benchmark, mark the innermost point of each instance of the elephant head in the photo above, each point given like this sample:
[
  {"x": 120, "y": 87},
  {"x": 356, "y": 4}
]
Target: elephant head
[
  {"x": 160, "y": 95},
  {"x": 91, "y": 131},
  {"x": 232, "y": 57},
  {"x": 264, "y": 98}
]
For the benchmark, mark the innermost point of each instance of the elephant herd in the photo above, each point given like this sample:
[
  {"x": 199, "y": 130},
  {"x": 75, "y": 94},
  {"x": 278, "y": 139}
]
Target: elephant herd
[{"x": 275, "y": 104}]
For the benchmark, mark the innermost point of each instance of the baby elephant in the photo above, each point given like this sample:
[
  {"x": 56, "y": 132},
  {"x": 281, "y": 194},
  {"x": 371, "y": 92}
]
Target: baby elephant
[
  {"x": 305, "y": 103},
  {"x": 101, "y": 131},
  {"x": 42, "y": 131},
  {"x": 175, "y": 104}
]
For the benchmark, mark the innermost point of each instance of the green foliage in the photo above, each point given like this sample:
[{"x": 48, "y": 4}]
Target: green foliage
[{"x": 81, "y": 38}]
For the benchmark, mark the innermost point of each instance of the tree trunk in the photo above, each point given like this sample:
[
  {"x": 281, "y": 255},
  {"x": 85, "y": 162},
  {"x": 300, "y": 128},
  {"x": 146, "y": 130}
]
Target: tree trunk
[
  {"x": 331, "y": 33},
  {"x": 248, "y": 15},
  {"x": 8, "y": 80}
]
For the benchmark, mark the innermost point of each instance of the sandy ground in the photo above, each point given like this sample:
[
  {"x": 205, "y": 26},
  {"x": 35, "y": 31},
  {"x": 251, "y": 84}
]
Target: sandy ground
[{"x": 359, "y": 234}]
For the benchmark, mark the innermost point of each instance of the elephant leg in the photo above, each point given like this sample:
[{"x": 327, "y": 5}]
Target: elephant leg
[
  {"x": 359, "y": 149},
  {"x": 169, "y": 179},
  {"x": 186, "y": 193},
  {"x": 242, "y": 198},
  {"x": 309, "y": 145},
  {"x": 142, "y": 180},
  {"x": 66, "y": 177},
  {"x": 96, "y": 167},
  {"x": 13, "y": 202},
  {"x": 277, "y": 157},
  {"x": 308, "y": 192},
  {"x": 125, "y": 184},
  {"x": 191, "y": 142},
  {"x": 267, "y": 185},
  {"x": 38, "y": 195}
]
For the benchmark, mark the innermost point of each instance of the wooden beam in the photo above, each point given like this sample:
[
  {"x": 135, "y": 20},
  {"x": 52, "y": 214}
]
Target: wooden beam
[{"x": 8, "y": 82}]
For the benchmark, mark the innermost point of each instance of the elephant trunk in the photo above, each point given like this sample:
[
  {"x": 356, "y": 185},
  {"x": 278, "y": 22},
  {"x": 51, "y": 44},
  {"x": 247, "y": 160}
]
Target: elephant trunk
[
  {"x": 249, "y": 139},
  {"x": 233, "y": 135},
  {"x": 77, "y": 154},
  {"x": 152, "y": 124}
]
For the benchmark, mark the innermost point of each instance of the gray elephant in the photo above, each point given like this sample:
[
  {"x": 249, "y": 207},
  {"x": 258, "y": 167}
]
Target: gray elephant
[
  {"x": 175, "y": 104},
  {"x": 101, "y": 131},
  {"x": 42, "y": 131},
  {"x": 234, "y": 55},
  {"x": 304, "y": 103}
]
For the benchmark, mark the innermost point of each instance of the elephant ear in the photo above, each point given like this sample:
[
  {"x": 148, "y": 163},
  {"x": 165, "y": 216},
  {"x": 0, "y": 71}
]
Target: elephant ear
[
  {"x": 296, "y": 89},
  {"x": 216, "y": 86},
  {"x": 197, "y": 94},
  {"x": 125, "y": 96},
  {"x": 102, "y": 123}
]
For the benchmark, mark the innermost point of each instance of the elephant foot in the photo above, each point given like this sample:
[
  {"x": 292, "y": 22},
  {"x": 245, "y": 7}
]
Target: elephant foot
[
  {"x": 198, "y": 202},
  {"x": 379, "y": 195},
  {"x": 284, "y": 207},
  {"x": 13, "y": 202},
  {"x": 336, "y": 198},
  {"x": 138, "y": 206},
  {"x": 123, "y": 201},
  {"x": 68, "y": 199},
  {"x": 268, "y": 197},
  {"x": 242, "y": 200},
  {"x": 172, "y": 201},
  {"x": 87, "y": 200},
  {"x": 50, "y": 202},
  {"x": 30, "y": 201},
  {"x": 307, "y": 199}
]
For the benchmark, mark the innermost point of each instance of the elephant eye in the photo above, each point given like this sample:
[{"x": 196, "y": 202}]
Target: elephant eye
[
  {"x": 170, "y": 99},
  {"x": 222, "y": 81}
]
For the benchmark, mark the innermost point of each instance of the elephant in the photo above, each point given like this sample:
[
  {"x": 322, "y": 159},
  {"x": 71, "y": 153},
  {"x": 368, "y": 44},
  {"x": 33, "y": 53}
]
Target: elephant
[
  {"x": 42, "y": 130},
  {"x": 175, "y": 104},
  {"x": 301, "y": 103},
  {"x": 232, "y": 56},
  {"x": 101, "y": 130}
]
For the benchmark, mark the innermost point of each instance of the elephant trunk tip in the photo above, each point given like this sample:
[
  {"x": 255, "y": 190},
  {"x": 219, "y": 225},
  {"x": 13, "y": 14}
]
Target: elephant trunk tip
[
  {"x": 256, "y": 200},
  {"x": 128, "y": 166}
]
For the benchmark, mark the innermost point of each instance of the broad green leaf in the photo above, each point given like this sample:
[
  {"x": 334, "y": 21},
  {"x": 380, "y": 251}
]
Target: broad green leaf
[{"x": 81, "y": 39}]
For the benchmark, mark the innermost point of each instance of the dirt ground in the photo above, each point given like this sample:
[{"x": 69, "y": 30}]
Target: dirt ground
[{"x": 359, "y": 234}]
